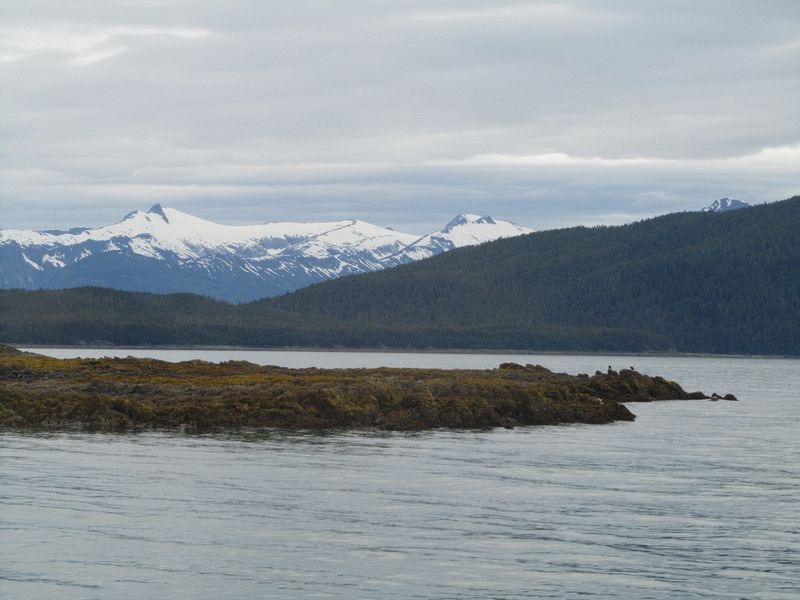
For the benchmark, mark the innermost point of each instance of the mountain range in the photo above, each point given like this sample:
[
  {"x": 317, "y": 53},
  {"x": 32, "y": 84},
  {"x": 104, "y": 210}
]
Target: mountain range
[
  {"x": 165, "y": 250},
  {"x": 725, "y": 282}
]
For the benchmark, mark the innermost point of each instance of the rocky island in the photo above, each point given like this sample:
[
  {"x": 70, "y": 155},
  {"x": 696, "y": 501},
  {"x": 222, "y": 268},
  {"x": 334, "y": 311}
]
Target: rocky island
[{"x": 118, "y": 394}]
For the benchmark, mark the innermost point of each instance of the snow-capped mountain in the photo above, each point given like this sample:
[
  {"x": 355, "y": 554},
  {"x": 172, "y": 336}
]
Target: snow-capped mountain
[
  {"x": 166, "y": 250},
  {"x": 724, "y": 205},
  {"x": 464, "y": 230}
]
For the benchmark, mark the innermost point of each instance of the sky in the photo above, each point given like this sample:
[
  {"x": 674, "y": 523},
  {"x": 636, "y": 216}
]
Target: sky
[{"x": 402, "y": 113}]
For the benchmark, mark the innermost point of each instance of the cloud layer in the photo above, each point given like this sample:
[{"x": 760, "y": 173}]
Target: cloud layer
[{"x": 402, "y": 113}]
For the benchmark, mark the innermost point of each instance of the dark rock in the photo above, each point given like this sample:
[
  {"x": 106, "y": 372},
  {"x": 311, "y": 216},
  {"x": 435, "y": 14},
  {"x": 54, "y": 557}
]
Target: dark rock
[
  {"x": 730, "y": 397},
  {"x": 629, "y": 386},
  {"x": 510, "y": 366}
]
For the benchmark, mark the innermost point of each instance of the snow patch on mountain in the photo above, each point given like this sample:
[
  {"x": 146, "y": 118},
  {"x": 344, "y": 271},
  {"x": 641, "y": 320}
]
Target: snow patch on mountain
[{"x": 31, "y": 263}]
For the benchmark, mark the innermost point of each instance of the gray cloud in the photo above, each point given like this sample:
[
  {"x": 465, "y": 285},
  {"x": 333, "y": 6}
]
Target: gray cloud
[{"x": 547, "y": 113}]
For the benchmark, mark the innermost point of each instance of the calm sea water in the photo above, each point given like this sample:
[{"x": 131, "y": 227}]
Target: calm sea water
[{"x": 693, "y": 499}]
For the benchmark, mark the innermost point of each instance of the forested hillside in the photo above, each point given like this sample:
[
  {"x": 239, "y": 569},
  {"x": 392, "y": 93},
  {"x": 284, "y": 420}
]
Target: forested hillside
[
  {"x": 726, "y": 282},
  {"x": 104, "y": 316},
  {"x": 693, "y": 282}
]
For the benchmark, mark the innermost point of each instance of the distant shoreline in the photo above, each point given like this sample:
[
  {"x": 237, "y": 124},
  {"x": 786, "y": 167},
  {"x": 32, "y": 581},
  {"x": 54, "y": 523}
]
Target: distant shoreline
[{"x": 405, "y": 351}]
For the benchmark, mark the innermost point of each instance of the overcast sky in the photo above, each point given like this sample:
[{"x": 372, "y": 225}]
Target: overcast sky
[{"x": 402, "y": 113}]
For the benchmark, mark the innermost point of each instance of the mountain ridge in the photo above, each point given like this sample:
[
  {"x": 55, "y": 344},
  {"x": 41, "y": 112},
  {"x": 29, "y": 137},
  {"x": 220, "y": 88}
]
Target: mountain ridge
[
  {"x": 710, "y": 282},
  {"x": 166, "y": 250},
  {"x": 724, "y": 283}
]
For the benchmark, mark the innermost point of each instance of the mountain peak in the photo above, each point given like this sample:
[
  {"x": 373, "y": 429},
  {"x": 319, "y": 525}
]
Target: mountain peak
[
  {"x": 156, "y": 209},
  {"x": 468, "y": 219},
  {"x": 724, "y": 205}
]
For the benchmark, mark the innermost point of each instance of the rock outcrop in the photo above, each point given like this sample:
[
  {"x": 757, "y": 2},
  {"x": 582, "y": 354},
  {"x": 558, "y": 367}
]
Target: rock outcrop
[{"x": 131, "y": 393}]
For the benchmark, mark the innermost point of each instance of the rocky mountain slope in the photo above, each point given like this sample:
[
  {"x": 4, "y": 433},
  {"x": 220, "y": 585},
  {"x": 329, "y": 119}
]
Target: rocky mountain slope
[{"x": 724, "y": 205}]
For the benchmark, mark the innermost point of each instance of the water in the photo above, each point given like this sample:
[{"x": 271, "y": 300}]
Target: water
[{"x": 693, "y": 499}]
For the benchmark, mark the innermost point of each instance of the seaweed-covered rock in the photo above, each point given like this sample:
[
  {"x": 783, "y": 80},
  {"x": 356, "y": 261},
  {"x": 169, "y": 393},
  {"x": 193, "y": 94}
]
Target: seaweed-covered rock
[
  {"x": 631, "y": 386},
  {"x": 130, "y": 393}
]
